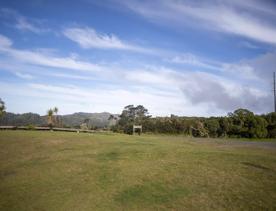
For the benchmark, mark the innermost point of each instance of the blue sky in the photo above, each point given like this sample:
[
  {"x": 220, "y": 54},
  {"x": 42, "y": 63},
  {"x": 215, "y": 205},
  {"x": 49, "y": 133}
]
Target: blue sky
[{"x": 192, "y": 58}]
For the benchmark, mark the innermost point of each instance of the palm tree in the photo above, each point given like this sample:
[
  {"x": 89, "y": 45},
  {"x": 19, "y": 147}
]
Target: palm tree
[
  {"x": 50, "y": 116},
  {"x": 55, "y": 110},
  {"x": 2, "y": 107}
]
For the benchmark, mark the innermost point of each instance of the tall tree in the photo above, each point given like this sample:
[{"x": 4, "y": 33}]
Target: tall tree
[
  {"x": 132, "y": 115},
  {"x": 271, "y": 127},
  {"x": 246, "y": 124},
  {"x": 2, "y": 107},
  {"x": 55, "y": 110},
  {"x": 50, "y": 117},
  {"x": 225, "y": 126},
  {"x": 213, "y": 126},
  {"x": 56, "y": 120}
]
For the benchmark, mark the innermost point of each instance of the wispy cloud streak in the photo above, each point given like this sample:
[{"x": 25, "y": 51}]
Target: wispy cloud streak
[
  {"x": 237, "y": 19},
  {"x": 89, "y": 38},
  {"x": 39, "y": 58},
  {"x": 21, "y": 22}
]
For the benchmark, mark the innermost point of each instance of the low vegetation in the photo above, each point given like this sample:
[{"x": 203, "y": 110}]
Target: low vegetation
[
  {"x": 242, "y": 123},
  {"x": 70, "y": 171}
]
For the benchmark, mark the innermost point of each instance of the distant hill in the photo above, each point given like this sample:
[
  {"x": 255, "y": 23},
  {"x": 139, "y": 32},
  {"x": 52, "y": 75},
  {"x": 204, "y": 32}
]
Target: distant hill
[{"x": 93, "y": 120}]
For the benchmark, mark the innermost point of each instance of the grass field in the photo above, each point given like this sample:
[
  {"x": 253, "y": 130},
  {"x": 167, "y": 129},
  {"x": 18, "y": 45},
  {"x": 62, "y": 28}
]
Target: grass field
[{"x": 70, "y": 171}]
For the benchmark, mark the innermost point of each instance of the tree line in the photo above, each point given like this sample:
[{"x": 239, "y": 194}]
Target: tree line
[{"x": 241, "y": 123}]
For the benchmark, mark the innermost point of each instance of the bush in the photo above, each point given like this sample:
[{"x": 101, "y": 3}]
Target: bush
[{"x": 30, "y": 127}]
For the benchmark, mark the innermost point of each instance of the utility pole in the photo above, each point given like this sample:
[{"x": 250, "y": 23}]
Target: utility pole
[{"x": 274, "y": 91}]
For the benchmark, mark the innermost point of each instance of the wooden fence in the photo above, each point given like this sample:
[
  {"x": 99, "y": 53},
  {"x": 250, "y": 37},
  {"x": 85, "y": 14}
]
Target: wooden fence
[{"x": 47, "y": 129}]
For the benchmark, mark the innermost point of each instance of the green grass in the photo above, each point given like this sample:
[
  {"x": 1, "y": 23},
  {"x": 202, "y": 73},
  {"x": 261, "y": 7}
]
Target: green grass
[{"x": 70, "y": 171}]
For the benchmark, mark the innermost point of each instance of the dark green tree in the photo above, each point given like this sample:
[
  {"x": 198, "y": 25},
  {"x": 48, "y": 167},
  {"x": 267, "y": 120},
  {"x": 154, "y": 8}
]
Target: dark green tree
[
  {"x": 257, "y": 127},
  {"x": 225, "y": 126},
  {"x": 246, "y": 124},
  {"x": 132, "y": 115},
  {"x": 212, "y": 126},
  {"x": 271, "y": 126}
]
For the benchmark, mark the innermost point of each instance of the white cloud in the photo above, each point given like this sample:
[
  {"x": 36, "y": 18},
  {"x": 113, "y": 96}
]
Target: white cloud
[
  {"x": 185, "y": 93},
  {"x": 233, "y": 18},
  {"x": 71, "y": 76},
  {"x": 265, "y": 7},
  {"x": 244, "y": 25},
  {"x": 222, "y": 94},
  {"x": 103, "y": 99},
  {"x": 162, "y": 90},
  {"x": 89, "y": 38},
  {"x": 40, "y": 58},
  {"x": 24, "y": 75},
  {"x": 242, "y": 70},
  {"x": 248, "y": 45},
  {"x": 192, "y": 60},
  {"x": 216, "y": 93},
  {"x": 21, "y": 22},
  {"x": 5, "y": 42},
  {"x": 263, "y": 65},
  {"x": 149, "y": 77}
]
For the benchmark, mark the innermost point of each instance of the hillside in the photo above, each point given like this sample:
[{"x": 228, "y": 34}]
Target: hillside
[
  {"x": 69, "y": 120},
  {"x": 95, "y": 119}
]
